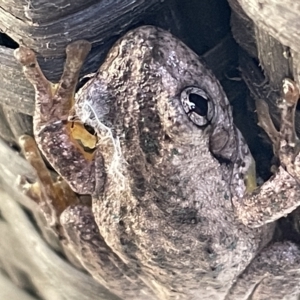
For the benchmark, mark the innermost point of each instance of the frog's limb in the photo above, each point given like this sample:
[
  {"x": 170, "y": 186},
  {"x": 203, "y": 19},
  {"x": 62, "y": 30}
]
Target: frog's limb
[
  {"x": 51, "y": 129},
  {"x": 266, "y": 123},
  {"x": 84, "y": 237},
  {"x": 272, "y": 272},
  {"x": 280, "y": 194},
  {"x": 52, "y": 197}
]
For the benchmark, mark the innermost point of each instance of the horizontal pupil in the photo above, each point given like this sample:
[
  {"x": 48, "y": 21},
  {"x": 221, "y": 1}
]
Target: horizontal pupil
[{"x": 201, "y": 105}]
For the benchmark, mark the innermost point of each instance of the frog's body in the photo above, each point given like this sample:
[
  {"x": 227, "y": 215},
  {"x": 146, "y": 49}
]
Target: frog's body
[
  {"x": 169, "y": 166},
  {"x": 171, "y": 207}
]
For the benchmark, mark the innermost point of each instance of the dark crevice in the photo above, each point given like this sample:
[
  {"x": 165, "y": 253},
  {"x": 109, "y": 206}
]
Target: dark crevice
[{"x": 8, "y": 42}]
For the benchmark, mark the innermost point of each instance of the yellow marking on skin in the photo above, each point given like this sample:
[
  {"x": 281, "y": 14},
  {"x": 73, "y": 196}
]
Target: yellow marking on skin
[
  {"x": 76, "y": 131},
  {"x": 250, "y": 178},
  {"x": 81, "y": 139},
  {"x": 80, "y": 133}
]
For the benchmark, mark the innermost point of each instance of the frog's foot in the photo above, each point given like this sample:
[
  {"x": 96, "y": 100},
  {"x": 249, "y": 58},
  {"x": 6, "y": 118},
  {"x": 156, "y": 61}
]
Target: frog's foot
[
  {"x": 53, "y": 102},
  {"x": 53, "y": 132},
  {"x": 52, "y": 197},
  {"x": 285, "y": 142},
  {"x": 279, "y": 195},
  {"x": 266, "y": 123}
]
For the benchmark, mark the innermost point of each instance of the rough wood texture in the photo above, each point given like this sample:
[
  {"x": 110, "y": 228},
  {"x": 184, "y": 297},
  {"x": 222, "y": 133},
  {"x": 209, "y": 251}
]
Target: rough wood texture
[
  {"x": 47, "y": 27},
  {"x": 10, "y": 291},
  {"x": 277, "y": 60},
  {"x": 242, "y": 28},
  {"x": 274, "y": 57},
  {"x": 17, "y": 93},
  {"x": 279, "y": 18}
]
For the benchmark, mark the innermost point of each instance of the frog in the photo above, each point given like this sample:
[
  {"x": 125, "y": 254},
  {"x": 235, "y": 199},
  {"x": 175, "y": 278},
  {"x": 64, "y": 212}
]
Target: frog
[{"x": 175, "y": 212}]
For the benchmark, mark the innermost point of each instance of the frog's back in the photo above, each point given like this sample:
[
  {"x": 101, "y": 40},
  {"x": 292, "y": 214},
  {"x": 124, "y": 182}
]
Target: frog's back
[{"x": 166, "y": 209}]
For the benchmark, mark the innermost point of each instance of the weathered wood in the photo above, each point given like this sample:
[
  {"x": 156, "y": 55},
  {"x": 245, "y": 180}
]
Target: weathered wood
[
  {"x": 47, "y": 27},
  {"x": 16, "y": 91},
  {"x": 17, "y": 96},
  {"x": 5, "y": 130},
  {"x": 273, "y": 57},
  {"x": 279, "y": 18},
  {"x": 277, "y": 61},
  {"x": 242, "y": 28},
  {"x": 8, "y": 290},
  {"x": 31, "y": 12}
]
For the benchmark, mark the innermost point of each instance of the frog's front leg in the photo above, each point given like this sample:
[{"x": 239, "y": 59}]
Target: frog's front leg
[
  {"x": 52, "y": 197},
  {"x": 280, "y": 194},
  {"x": 51, "y": 128}
]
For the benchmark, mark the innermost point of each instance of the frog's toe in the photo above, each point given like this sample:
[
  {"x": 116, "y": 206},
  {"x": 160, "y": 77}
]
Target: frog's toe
[
  {"x": 286, "y": 145},
  {"x": 266, "y": 123},
  {"x": 290, "y": 92},
  {"x": 78, "y": 50},
  {"x": 289, "y": 145},
  {"x": 288, "y": 138},
  {"x": 25, "y": 56}
]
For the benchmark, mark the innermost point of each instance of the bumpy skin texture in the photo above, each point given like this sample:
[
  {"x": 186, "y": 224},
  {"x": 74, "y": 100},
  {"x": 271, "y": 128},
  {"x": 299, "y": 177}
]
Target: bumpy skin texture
[{"x": 171, "y": 217}]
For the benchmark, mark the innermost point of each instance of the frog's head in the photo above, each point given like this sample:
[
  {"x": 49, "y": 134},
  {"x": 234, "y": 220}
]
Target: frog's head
[{"x": 158, "y": 97}]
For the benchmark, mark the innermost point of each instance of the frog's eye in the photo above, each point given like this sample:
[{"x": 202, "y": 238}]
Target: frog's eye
[{"x": 197, "y": 105}]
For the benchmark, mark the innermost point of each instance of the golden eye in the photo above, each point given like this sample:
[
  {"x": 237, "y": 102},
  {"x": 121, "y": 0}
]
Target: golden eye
[{"x": 197, "y": 106}]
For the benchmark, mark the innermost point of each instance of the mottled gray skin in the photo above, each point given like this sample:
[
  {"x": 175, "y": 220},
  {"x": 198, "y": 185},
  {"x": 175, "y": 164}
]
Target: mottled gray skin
[{"x": 171, "y": 217}]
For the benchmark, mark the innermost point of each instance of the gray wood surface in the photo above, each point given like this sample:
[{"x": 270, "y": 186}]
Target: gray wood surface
[
  {"x": 10, "y": 291},
  {"x": 48, "y": 26},
  {"x": 279, "y": 18},
  {"x": 277, "y": 57}
]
